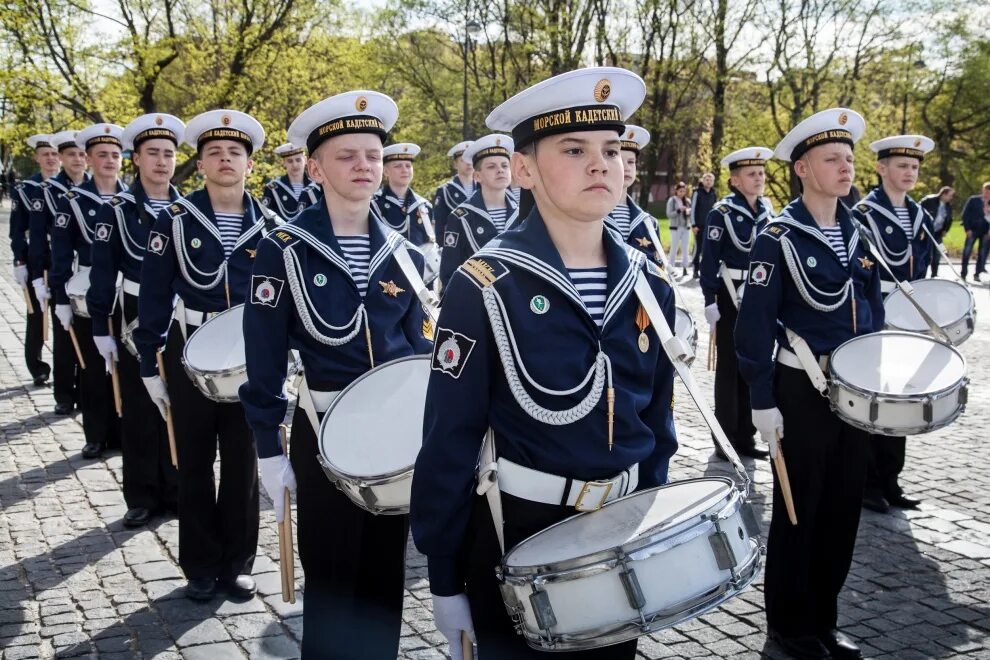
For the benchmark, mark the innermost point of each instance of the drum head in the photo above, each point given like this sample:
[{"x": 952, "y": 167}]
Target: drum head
[
  {"x": 621, "y": 521},
  {"x": 946, "y": 302},
  {"x": 218, "y": 344},
  {"x": 78, "y": 284},
  {"x": 375, "y": 426},
  {"x": 683, "y": 324},
  {"x": 898, "y": 363}
]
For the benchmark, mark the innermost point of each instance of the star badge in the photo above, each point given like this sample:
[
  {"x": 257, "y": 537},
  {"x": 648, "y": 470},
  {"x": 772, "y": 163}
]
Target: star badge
[
  {"x": 865, "y": 263},
  {"x": 391, "y": 288},
  {"x": 643, "y": 242},
  {"x": 251, "y": 252}
]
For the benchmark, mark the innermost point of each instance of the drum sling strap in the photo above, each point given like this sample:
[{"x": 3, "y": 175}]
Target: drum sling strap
[
  {"x": 734, "y": 294},
  {"x": 808, "y": 361},
  {"x": 426, "y": 297}
]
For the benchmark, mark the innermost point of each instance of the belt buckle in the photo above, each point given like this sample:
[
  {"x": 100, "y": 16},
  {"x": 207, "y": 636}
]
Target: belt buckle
[{"x": 587, "y": 488}]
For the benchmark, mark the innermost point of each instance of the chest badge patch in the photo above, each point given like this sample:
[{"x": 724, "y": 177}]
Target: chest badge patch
[
  {"x": 451, "y": 352},
  {"x": 889, "y": 230},
  {"x": 539, "y": 305},
  {"x": 812, "y": 262},
  {"x": 320, "y": 279},
  {"x": 195, "y": 242},
  {"x": 390, "y": 288}
]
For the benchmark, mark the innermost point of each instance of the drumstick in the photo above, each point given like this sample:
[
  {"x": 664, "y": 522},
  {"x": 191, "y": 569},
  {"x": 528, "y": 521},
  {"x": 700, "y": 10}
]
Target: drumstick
[
  {"x": 115, "y": 379},
  {"x": 44, "y": 316},
  {"x": 27, "y": 299},
  {"x": 168, "y": 415},
  {"x": 286, "y": 552},
  {"x": 467, "y": 647},
  {"x": 75, "y": 345},
  {"x": 711, "y": 349},
  {"x": 785, "y": 483}
]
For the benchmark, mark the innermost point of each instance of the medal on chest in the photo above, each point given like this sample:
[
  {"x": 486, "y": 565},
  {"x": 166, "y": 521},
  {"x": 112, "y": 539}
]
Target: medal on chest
[{"x": 642, "y": 323}]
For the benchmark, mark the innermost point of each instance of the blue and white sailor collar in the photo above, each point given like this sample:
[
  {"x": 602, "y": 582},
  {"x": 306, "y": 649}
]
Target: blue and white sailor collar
[{"x": 797, "y": 216}]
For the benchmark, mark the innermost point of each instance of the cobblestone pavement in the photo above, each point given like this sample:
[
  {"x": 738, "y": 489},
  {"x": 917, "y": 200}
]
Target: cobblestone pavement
[{"x": 74, "y": 582}]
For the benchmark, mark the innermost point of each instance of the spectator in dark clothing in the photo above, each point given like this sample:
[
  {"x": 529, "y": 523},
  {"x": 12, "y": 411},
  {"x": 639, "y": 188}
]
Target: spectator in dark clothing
[
  {"x": 702, "y": 200},
  {"x": 976, "y": 222},
  {"x": 939, "y": 206}
]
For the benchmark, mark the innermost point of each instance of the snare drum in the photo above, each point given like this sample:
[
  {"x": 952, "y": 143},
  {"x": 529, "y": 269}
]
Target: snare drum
[
  {"x": 897, "y": 383},
  {"x": 372, "y": 432},
  {"x": 76, "y": 289},
  {"x": 641, "y": 563},
  {"x": 950, "y": 304},
  {"x": 213, "y": 357},
  {"x": 685, "y": 329}
]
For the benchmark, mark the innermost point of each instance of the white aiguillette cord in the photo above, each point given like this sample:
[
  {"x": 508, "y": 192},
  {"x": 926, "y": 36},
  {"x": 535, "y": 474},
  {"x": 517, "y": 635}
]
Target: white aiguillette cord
[
  {"x": 905, "y": 287},
  {"x": 678, "y": 354}
]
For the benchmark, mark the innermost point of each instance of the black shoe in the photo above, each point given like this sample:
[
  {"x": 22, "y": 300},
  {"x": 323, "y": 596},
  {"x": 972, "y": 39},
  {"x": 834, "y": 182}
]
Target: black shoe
[
  {"x": 201, "y": 589},
  {"x": 41, "y": 380},
  {"x": 242, "y": 587},
  {"x": 840, "y": 645},
  {"x": 91, "y": 450},
  {"x": 875, "y": 502},
  {"x": 803, "y": 646},
  {"x": 753, "y": 451},
  {"x": 696, "y": 274},
  {"x": 137, "y": 517},
  {"x": 63, "y": 408},
  {"x": 902, "y": 501}
]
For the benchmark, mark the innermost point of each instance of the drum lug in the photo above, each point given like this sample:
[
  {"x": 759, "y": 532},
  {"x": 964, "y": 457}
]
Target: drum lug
[
  {"x": 927, "y": 413},
  {"x": 725, "y": 558},
  {"x": 750, "y": 521},
  {"x": 964, "y": 392},
  {"x": 543, "y": 610},
  {"x": 874, "y": 408},
  {"x": 368, "y": 495},
  {"x": 212, "y": 387},
  {"x": 634, "y": 592}
]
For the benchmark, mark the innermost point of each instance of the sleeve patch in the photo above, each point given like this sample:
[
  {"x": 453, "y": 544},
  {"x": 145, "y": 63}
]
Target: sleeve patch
[
  {"x": 62, "y": 220},
  {"x": 451, "y": 352},
  {"x": 428, "y": 329},
  {"x": 103, "y": 231},
  {"x": 265, "y": 201},
  {"x": 157, "y": 242},
  {"x": 450, "y": 239},
  {"x": 714, "y": 233},
  {"x": 36, "y": 205},
  {"x": 266, "y": 290},
  {"x": 759, "y": 273}
]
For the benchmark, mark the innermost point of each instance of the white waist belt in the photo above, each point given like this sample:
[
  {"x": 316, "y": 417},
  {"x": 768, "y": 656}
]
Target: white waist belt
[
  {"x": 322, "y": 400},
  {"x": 789, "y": 358},
  {"x": 887, "y": 287},
  {"x": 735, "y": 273},
  {"x": 131, "y": 287},
  {"x": 194, "y": 317},
  {"x": 83, "y": 269},
  {"x": 536, "y": 486}
]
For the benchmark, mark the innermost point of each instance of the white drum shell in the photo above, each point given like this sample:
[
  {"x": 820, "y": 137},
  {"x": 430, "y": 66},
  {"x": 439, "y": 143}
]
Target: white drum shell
[
  {"x": 897, "y": 414},
  {"x": 685, "y": 329},
  {"x": 431, "y": 259},
  {"x": 76, "y": 289},
  {"x": 385, "y": 402},
  {"x": 676, "y": 569},
  {"x": 950, "y": 304}
]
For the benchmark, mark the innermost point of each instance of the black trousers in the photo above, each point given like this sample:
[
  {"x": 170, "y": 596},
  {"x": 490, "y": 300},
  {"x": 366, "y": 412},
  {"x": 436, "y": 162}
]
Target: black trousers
[
  {"x": 976, "y": 240},
  {"x": 496, "y": 635},
  {"x": 33, "y": 338},
  {"x": 101, "y": 426},
  {"x": 699, "y": 236},
  {"x": 218, "y": 527},
  {"x": 936, "y": 256},
  {"x": 65, "y": 377},
  {"x": 354, "y": 564},
  {"x": 886, "y": 460},
  {"x": 826, "y": 459},
  {"x": 150, "y": 481},
  {"x": 732, "y": 406}
]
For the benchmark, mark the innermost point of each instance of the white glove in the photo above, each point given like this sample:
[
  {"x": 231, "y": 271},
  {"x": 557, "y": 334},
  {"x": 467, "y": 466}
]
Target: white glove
[
  {"x": 64, "y": 315},
  {"x": 452, "y": 614},
  {"x": 712, "y": 315},
  {"x": 157, "y": 391},
  {"x": 770, "y": 423},
  {"x": 276, "y": 476},
  {"x": 40, "y": 290},
  {"x": 107, "y": 347},
  {"x": 21, "y": 275}
]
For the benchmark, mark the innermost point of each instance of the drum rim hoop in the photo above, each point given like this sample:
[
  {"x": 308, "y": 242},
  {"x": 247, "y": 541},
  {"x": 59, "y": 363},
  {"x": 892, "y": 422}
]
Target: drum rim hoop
[
  {"x": 970, "y": 310},
  {"x": 733, "y": 498}
]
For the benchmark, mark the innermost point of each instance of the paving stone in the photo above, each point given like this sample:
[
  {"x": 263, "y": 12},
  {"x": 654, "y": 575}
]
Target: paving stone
[
  {"x": 224, "y": 651},
  {"x": 191, "y": 633}
]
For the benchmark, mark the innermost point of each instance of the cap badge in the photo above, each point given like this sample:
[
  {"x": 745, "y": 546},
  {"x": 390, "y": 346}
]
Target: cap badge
[
  {"x": 106, "y": 129},
  {"x": 159, "y": 121},
  {"x": 843, "y": 118},
  {"x": 498, "y": 142},
  {"x": 602, "y": 90},
  {"x": 225, "y": 120},
  {"x": 917, "y": 142},
  {"x": 361, "y": 104}
]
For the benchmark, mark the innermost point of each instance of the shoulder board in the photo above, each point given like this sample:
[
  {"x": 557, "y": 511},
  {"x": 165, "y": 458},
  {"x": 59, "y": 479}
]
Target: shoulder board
[
  {"x": 775, "y": 230},
  {"x": 70, "y": 194},
  {"x": 459, "y": 212},
  {"x": 484, "y": 272},
  {"x": 175, "y": 210},
  {"x": 45, "y": 184},
  {"x": 722, "y": 208},
  {"x": 863, "y": 208},
  {"x": 282, "y": 237},
  {"x": 271, "y": 185},
  {"x": 117, "y": 200}
]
